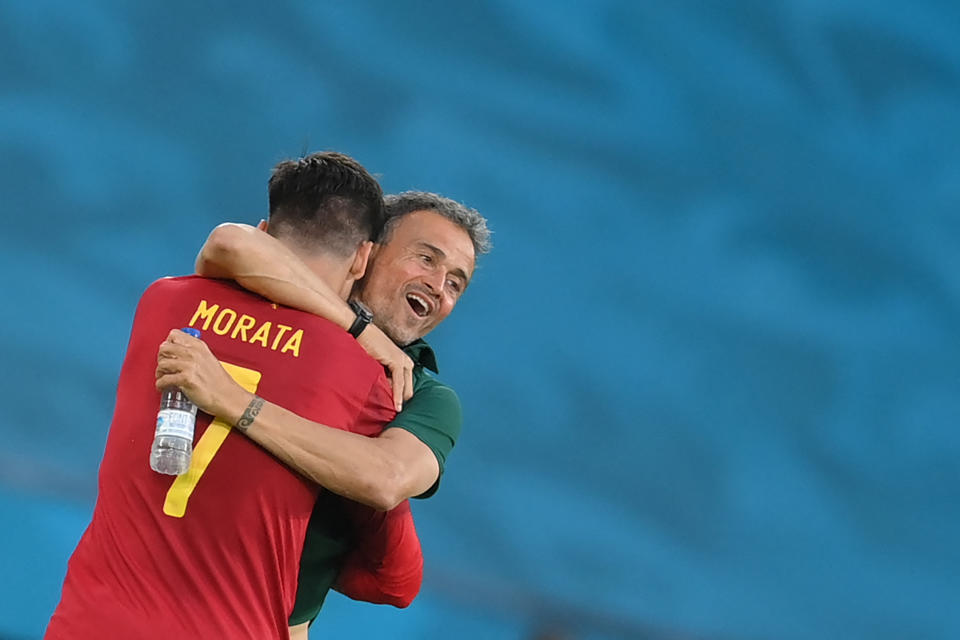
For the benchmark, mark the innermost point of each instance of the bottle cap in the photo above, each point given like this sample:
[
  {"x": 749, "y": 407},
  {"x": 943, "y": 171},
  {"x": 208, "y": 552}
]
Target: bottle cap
[{"x": 193, "y": 332}]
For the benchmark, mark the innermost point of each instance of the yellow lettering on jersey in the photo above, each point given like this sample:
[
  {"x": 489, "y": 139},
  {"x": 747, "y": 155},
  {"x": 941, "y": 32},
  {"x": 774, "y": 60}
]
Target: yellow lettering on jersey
[
  {"x": 262, "y": 333},
  {"x": 293, "y": 344},
  {"x": 245, "y": 322},
  {"x": 224, "y": 321},
  {"x": 204, "y": 312},
  {"x": 283, "y": 329}
]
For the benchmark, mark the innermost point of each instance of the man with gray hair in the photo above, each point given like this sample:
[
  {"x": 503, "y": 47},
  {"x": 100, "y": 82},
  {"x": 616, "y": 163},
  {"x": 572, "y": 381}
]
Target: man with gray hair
[{"x": 420, "y": 267}]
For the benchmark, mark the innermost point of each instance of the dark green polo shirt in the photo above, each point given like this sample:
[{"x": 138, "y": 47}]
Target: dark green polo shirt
[{"x": 433, "y": 415}]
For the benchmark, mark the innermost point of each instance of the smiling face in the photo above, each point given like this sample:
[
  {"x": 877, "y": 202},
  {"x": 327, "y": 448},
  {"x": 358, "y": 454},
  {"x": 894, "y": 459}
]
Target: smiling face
[{"x": 416, "y": 278}]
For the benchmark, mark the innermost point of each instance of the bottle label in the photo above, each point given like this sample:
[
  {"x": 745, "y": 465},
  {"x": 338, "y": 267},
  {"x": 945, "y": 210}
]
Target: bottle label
[{"x": 174, "y": 422}]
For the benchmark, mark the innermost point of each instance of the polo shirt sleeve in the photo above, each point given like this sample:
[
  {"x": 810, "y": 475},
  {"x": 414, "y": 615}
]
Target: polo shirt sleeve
[{"x": 434, "y": 416}]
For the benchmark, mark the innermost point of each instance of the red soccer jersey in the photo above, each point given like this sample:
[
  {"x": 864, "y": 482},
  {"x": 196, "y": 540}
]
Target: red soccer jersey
[
  {"x": 385, "y": 565},
  {"x": 212, "y": 555}
]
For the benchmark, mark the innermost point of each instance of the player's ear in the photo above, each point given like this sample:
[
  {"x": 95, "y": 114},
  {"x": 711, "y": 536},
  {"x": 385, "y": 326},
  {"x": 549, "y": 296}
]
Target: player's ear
[
  {"x": 263, "y": 225},
  {"x": 360, "y": 260}
]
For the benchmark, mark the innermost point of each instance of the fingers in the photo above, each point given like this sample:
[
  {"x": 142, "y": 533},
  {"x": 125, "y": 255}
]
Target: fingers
[
  {"x": 168, "y": 380},
  {"x": 180, "y": 345},
  {"x": 173, "y": 351},
  {"x": 408, "y": 381},
  {"x": 168, "y": 366},
  {"x": 175, "y": 356},
  {"x": 180, "y": 367},
  {"x": 401, "y": 379},
  {"x": 177, "y": 336},
  {"x": 396, "y": 381}
]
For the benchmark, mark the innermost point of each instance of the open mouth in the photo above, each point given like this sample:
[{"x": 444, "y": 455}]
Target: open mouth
[{"x": 419, "y": 304}]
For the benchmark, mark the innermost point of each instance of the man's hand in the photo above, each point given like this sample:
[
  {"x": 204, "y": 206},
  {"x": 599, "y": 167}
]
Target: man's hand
[
  {"x": 188, "y": 363},
  {"x": 383, "y": 350}
]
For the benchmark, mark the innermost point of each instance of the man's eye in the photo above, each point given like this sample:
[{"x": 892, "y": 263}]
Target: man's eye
[
  {"x": 426, "y": 258},
  {"x": 453, "y": 284}
]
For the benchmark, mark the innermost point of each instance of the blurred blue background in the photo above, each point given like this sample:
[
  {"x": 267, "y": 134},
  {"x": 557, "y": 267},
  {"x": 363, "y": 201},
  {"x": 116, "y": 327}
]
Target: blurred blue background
[{"x": 709, "y": 371}]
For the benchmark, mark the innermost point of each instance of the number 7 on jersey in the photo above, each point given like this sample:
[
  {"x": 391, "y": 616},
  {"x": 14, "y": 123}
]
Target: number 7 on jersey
[{"x": 179, "y": 493}]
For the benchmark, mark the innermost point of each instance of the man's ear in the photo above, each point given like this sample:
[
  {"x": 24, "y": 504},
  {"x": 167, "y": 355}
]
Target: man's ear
[
  {"x": 263, "y": 225},
  {"x": 360, "y": 260}
]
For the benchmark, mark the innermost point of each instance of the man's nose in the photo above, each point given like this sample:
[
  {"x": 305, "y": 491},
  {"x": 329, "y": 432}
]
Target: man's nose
[{"x": 434, "y": 280}]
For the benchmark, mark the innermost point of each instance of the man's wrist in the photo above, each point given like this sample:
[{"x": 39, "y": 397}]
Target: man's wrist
[
  {"x": 344, "y": 316},
  {"x": 250, "y": 413},
  {"x": 363, "y": 318},
  {"x": 234, "y": 404}
]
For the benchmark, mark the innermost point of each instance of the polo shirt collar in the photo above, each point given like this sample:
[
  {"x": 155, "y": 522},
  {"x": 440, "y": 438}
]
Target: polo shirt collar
[{"x": 422, "y": 354}]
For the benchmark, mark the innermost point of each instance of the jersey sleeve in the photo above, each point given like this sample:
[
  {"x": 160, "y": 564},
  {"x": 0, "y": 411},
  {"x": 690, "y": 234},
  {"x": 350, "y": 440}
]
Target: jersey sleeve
[
  {"x": 365, "y": 554},
  {"x": 385, "y": 565},
  {"x": 434, "y": 416},
  {"x": 377, "y": 410}
]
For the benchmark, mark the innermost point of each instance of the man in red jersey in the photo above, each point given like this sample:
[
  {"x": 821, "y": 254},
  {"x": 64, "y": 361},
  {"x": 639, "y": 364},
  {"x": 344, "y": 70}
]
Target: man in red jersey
[
  {"x": 214, "y": 553},
  {"x": 423, "y": 263}
]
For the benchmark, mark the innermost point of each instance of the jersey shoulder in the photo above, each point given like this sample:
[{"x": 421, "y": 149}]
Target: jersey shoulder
[{"x": 173, "y": 285}]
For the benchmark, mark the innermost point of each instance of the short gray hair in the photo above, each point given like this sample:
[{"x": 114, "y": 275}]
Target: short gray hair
[{"x": 398, "y": 205}]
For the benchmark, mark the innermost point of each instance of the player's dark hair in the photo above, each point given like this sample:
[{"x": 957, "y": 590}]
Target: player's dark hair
[{"x": 325, "y": 201}]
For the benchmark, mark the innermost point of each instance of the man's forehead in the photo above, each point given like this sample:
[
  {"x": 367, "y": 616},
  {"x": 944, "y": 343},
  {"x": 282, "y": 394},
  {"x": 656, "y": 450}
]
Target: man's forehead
[{"x": 433, "y": 231}]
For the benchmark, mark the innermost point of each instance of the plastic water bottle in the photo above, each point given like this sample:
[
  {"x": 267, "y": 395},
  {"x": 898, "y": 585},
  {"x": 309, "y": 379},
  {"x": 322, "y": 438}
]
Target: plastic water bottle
[{"x": 173, "y": 440}]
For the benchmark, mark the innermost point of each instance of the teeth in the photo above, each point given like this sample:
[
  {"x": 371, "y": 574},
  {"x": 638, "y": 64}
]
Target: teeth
[{"x": 421, "y": 300}]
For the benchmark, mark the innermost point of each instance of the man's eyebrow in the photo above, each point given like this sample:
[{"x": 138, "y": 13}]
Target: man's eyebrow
[{"x": 432, "y": 248}]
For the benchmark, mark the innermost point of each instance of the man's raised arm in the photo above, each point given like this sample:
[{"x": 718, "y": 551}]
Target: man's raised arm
[{"x": 260, "y": 263}]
